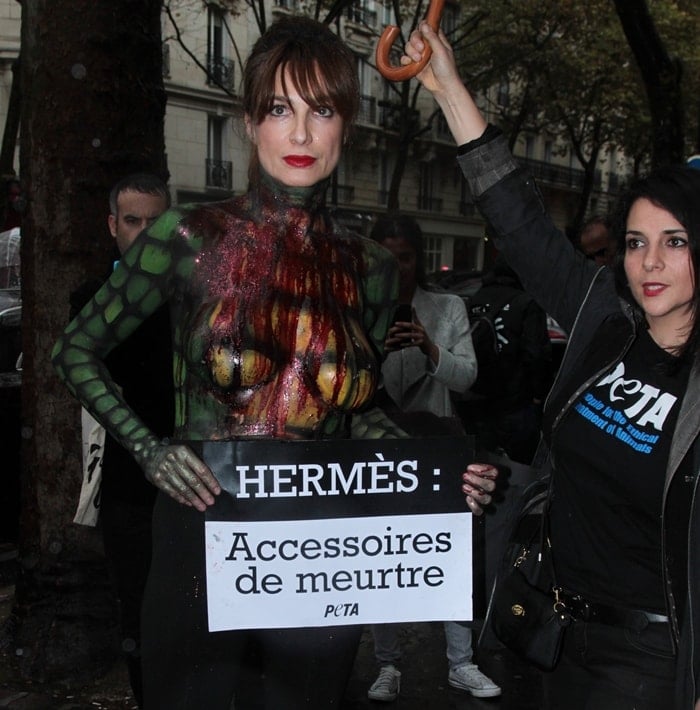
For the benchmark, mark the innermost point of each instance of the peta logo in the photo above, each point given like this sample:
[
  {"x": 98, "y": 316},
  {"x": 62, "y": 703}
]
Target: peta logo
[
  {"x": 346, "y": 609},
  {"x": 643, "y": 404}
]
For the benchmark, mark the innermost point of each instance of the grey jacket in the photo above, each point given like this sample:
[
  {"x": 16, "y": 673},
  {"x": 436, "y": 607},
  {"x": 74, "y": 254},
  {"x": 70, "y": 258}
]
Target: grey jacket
[
  {"x": 409, "y": 376},
  {"x": 583, "y": 299}
]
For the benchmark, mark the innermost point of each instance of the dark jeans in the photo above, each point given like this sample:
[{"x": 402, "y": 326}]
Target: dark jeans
[
  {"x": 186, "y": 667},
  {"x": 611, "y": 668}
]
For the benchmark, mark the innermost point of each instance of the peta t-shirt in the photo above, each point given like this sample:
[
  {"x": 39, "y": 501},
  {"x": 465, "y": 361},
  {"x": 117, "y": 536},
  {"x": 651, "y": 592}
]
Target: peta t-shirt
[{"x": 610, "y": 454}]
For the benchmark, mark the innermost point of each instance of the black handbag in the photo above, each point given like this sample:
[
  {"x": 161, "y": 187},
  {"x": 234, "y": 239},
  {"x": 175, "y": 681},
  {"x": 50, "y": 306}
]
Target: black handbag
[{"x": 525, "y": 611}]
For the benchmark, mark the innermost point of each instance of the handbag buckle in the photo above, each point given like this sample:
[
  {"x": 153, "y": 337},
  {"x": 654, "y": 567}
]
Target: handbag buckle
[
  {"x": 521, "y": 557},
  {"x": 559, "y": 607}
]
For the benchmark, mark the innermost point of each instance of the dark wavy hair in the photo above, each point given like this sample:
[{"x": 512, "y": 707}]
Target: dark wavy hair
[
  {"x": 675, "y": 189},
  {"x": 396, "y": 225},
  {"x": 320, "y": 65}
]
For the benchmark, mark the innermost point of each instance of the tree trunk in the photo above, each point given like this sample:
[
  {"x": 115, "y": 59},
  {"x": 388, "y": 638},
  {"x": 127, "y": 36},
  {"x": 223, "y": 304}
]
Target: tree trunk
[
  {"x": 92, "y": 111},
  {"x": 661, "y": 75}
]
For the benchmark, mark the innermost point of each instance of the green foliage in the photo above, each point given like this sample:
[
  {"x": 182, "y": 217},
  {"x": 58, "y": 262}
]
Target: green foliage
[{"x": 570, "y": 70}]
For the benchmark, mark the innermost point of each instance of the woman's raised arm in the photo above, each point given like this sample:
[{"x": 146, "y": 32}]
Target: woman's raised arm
[{"x": 441, "y": 78}]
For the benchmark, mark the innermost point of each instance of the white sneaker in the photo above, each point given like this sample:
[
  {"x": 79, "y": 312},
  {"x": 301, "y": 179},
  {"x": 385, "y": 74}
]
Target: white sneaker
[
  {"x": 387, "y": 686},
  {"x": 471, "y": 679}
]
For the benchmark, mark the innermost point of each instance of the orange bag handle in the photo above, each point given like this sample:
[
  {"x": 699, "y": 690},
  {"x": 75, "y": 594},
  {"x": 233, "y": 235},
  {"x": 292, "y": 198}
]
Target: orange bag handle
[{"x": 391, "y": 32}]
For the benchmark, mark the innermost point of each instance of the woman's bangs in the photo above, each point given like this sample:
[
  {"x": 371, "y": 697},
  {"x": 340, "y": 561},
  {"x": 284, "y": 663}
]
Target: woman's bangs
[{"x": 307, "y": 80}]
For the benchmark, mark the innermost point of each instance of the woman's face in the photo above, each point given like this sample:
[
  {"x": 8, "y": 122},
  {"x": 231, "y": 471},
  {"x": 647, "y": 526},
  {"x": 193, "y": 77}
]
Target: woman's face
[
  {"x": 660, "y": 271},
  {"x": 405, "y": 255},
  {"x": 297, "y": 144}
]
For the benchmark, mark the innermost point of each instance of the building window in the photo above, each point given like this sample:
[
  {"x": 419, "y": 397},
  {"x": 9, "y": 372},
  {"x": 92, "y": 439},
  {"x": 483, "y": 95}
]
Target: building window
[
  {"x": 530, "y": 147},
  {"x": 219, "y": 66},
  {"x": 166, "y": 60},
  {"x": 548, "y": 151},
  {"x": 340, "y": 190},
  {"x": 363, "y": 13},
  {"x": 218, "y": 170},
  {"x": 442, "y": 130},
  {"x": 433, "y": 253},
  {"x": 386, "y": 168},
  {"x": 448, "y": 23},
  {"x": 466, "y": 200},
  {"x": 426, "y": 199},
  {"x": 368, "y": 103},
  {"x": 388, "y": 18}
]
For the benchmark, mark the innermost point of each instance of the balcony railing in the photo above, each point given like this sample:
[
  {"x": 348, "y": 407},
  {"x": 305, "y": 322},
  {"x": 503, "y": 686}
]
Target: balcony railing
[
  {"x": 220, "y": 72},
  {"x": 219, "y": 173}
]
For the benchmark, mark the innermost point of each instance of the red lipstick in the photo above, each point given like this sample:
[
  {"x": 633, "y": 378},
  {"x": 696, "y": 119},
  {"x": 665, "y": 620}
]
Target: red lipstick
[
  {"x": 299, "y": 161},
  {"x": 653, "y": 289}
]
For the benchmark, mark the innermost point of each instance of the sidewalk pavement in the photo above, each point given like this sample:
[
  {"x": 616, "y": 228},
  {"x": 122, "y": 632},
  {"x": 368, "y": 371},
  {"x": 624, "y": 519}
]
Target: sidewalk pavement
[
  {"x": 424, "y": 683},
  {"x": 424, "y": 677}
]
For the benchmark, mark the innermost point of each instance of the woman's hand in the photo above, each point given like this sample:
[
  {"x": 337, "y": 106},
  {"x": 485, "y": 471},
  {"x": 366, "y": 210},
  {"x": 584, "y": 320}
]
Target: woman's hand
[
  {"x": 479, "y": 483},
  {"x": 441, "y": 70},
  {"x": 441, "y": 78},
  {"x": 405, "y": 335},
  {"x": 183, "y": 476}
]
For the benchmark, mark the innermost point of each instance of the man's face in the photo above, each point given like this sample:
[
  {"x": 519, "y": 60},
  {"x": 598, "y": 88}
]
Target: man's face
[
  {"x": 135, "y": 212},
  {"x": 597, "y": 244}
]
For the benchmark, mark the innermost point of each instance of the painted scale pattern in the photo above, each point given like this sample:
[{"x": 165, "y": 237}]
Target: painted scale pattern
[{"x": 280, "y": 317}]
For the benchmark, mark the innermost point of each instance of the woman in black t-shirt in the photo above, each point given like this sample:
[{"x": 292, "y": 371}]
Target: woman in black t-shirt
[{"x": 621, "y": 424}]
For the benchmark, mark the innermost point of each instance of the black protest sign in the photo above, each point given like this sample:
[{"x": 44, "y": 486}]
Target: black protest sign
[{"x": 318, "y": 533}]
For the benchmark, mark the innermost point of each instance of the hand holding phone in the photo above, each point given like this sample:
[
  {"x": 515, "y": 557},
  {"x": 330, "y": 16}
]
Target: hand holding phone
[{"x": 403, "y": 313}]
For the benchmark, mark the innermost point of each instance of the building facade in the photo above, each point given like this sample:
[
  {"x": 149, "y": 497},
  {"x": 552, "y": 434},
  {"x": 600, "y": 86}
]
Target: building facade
[{"x": 204, "y": 45}]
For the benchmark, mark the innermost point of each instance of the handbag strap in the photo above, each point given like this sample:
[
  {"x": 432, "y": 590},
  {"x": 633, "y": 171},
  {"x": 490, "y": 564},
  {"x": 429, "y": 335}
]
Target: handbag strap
[{"x": 545, "y": 542}]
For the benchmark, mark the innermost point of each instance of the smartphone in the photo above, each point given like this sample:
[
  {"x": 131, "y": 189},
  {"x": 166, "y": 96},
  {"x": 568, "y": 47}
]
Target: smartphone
[{"x": 403, "y": 313}]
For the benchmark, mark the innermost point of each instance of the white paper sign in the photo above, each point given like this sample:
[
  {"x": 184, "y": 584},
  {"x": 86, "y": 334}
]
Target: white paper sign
[
  {"x": 333, "y": 572},
  {"x": 328, "y": 533}
]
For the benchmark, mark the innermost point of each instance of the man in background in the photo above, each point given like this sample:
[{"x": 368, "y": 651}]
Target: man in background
[
  {"x": 514, "y": 366},
  {"x": 596, "y": 241},
  {"x": 142, "y": 367}
]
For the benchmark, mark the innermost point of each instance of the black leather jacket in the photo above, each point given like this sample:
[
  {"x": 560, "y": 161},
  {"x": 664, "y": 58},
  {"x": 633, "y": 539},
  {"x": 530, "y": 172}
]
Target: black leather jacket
[{"x": 583, "y": 299}]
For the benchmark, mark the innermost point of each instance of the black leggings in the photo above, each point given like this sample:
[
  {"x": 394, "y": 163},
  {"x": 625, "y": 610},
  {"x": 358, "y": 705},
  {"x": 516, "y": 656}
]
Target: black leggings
[{"x": 186, "y": 667}]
